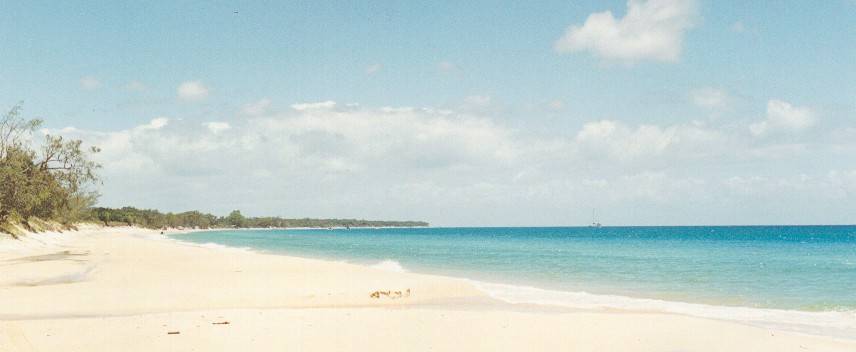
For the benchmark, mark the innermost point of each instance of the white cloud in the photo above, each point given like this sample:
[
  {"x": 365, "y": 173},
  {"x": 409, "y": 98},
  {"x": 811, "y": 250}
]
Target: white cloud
[
  {"x": 615, "y": 140},
  {"x": 325, "y": 136},
  {"x": 392, "y": 135},
  {"x": 156, "y": 123},
  {"x": 217, "y": 127},
  {"x": 255, "y": 108},
  {"x": 309, "y": 141},
  {"x": 192, "y": 91},
  {"x": 711, "y": 98},
  {"x": 783, "y": 116},
  {"x": 90, "y": 83},
  {"x": 651, "y": 30},
  {"x": 374, "y": 68},
  {"x": 738, "y": 27},
  {"x": 324, "y": 105},
  {"x": 329, "y": 159}
]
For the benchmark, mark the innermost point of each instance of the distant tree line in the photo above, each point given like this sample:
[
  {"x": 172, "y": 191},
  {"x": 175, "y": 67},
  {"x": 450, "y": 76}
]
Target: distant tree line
[{"x": 154, "y": 219}]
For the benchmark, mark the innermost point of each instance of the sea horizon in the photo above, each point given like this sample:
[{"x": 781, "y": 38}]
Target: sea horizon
[{"x": 515, "y": 226}]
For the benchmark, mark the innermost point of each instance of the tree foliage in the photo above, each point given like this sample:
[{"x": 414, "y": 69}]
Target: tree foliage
[
  {"x": 15, "y": 131},
  {"x": 50, "y": 182},
  {"x": 236, "y": 219}
]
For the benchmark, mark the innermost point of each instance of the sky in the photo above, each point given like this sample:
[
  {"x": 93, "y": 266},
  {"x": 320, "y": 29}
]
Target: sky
[{"x": 476, "y": 113}]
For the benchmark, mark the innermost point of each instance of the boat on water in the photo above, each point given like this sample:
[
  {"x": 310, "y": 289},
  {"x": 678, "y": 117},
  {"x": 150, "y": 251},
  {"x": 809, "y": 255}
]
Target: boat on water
[{"x": 594, "y": 222}]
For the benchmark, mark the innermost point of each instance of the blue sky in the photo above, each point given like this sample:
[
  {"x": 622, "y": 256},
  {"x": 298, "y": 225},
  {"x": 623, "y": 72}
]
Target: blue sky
[{"x": 546, "y": 78}]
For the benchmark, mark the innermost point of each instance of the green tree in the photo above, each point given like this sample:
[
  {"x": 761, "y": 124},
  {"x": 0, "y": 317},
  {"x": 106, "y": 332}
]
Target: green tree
[
  {"x": 69, "y": 162},
  {"x": 15, "y": 130},
  {"x": 52, "y": 183},
  {"x": 236, "y": 219}
]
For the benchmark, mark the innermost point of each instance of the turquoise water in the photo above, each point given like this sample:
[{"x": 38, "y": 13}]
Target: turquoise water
[{"x": 804, "y": 268}]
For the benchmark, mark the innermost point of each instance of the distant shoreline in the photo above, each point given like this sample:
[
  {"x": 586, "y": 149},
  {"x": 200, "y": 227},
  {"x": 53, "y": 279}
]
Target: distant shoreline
[{"x": 176, "y": 231}]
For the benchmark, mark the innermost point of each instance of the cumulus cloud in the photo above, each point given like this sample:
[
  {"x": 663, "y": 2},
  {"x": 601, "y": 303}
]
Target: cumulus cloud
[
  {"x": 324, "y": 105},
  {"x": 782, "y": 116},
  {"x": 331, "y": 159},
  {"x": 650, "y": 30},
  {"x": 192, "y": 91},
  {"x": 615, "y": 140},
  {"x": 326, "y": 135},
  {"x": 423, "y": 137},
  {"x": 155, "y": 124},
  {"x": 90, "y": 83}
]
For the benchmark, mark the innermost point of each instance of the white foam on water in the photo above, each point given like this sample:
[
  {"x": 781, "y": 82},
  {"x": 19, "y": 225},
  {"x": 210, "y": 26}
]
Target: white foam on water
[
  {"x": 214, "y": 245},
  {"x": 832, "y": 323},
  {"x": 218, "y": 246},
  {"x": 211, "y": 245},
  {"x": 390, "y": 265}
]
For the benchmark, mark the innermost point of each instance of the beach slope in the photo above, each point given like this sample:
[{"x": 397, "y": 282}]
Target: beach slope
[{"x": 134, "y": 290}]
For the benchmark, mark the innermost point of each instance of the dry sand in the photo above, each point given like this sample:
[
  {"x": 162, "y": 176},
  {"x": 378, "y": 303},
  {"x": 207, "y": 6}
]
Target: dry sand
[{"x": 125, "y": 289}]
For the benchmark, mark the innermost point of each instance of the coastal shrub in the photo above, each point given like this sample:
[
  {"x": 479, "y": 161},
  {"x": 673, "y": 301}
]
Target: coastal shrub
[
  {"x": 50, "y": 182},
  {"x": 154, "y": 219}
]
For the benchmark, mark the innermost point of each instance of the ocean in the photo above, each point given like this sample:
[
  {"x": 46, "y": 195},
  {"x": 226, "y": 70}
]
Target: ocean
[{"x": 795, "y": 277}]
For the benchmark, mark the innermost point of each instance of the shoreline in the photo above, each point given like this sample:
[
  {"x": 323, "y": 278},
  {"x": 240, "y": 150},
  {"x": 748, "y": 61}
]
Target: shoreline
[
  {"x": 100, "y": 288},
  {"x": 175, "y": 231},
  {"x": 837, "y": 324}
]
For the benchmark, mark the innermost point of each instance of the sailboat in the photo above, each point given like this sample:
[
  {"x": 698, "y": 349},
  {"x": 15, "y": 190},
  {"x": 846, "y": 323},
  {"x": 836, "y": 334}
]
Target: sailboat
[{"x": 594, "y": 222}]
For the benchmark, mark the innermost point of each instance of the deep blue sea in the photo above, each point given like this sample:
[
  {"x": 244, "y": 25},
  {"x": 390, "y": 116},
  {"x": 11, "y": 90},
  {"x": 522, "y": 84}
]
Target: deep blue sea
[{"x": 789, "y": 275}]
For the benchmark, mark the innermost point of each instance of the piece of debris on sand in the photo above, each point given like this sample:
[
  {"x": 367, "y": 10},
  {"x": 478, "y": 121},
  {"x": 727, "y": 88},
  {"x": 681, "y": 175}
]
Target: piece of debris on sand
[{"x": 390, "y": 294}]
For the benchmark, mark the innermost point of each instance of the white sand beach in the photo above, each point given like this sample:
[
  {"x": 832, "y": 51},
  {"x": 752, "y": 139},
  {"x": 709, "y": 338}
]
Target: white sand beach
[{"x": 128, "y": 289}]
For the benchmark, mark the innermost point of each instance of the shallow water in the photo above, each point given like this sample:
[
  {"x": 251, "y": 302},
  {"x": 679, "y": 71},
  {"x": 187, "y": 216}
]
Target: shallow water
[{"x": 769, "y": 268}]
